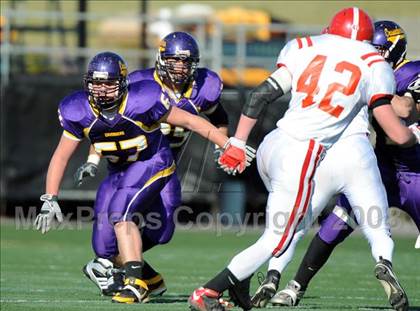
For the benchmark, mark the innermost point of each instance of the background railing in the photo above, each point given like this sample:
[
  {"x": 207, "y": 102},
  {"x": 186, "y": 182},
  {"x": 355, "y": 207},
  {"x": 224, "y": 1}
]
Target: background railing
[
  {"x": 30, "y": 48},
  {"x": 44, "y": 54}
]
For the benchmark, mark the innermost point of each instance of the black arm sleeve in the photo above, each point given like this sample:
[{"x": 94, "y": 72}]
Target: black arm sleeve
[
  {"x": 263, "y": 94},
  {"x": 380, "y": 102},
  {"x": 218, "y": 116}
]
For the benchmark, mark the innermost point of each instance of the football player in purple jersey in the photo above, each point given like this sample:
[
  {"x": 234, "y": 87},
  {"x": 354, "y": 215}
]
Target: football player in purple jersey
[
  {"x": 122, "y": 122},
  {"x": 400, "y": 172},
  {"x": 190, "y": 88}
]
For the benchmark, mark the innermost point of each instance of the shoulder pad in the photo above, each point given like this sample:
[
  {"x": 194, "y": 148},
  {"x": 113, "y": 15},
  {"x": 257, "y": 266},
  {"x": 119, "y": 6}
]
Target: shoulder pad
[
  {"x": 73, "y": 107},
  {"x": 143, "y": 95},
  {"x": 139, "y": 75},
  {"x": 212, "y": 84}
]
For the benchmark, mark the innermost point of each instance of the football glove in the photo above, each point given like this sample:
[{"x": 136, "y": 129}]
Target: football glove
[
  {"x": 49, "y": 210},
  {"x": 88, "y": 169},
  {"x": 236, "y": 156},
  {"x": 217, "y": 154}
]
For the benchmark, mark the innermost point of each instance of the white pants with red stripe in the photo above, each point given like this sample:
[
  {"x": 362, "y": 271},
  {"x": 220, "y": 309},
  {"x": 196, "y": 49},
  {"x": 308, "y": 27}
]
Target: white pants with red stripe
[
  {"x": 287, "y": 167},
  {"x": 350, "y": 167}
]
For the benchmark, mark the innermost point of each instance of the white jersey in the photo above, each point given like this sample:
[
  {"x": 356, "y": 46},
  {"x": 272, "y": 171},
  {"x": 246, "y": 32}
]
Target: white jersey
[
  {"x": 359, "y": 125},
  {"x": 332, "y": 79}
]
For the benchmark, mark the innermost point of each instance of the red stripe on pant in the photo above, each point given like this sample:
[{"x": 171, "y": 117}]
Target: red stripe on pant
[
  {"x": 309, "y": 193},
  {"x": 298, "y": 200}
]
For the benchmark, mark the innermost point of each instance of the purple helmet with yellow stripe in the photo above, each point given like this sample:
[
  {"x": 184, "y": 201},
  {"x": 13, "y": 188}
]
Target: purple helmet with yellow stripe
[{"x": 391, "y": 41}]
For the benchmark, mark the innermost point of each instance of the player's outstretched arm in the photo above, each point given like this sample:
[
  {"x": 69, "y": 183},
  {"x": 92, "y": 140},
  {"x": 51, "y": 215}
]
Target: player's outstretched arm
[
  {"x": 58, "y": 163},
  {"x": 275, "y": 86},
  {"x": 50, "y": 208},
  {"x": 392, "y": 126},
  {"x": 196, "y": 124},
  {"x": 242, "y": 157}
]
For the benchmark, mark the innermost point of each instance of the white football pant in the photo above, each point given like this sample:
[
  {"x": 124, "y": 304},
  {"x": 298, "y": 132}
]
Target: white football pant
[{"x": 286, "y": 165}]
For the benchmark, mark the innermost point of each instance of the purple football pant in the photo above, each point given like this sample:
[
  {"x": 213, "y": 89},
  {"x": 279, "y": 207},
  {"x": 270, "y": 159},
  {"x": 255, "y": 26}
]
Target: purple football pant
[
  {"x": 402, "y": 190},
  {"x": 148, "y": 190}
]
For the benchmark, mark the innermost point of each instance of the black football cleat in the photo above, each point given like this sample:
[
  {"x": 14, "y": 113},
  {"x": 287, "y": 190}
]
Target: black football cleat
[
  {"x": 268, "y": 288},
  {"x": 134, "y": 291},
  {"x": 115, "y": 283},
  {"x": 393, "y": 289},
  {"x": 156, "y": 286}
]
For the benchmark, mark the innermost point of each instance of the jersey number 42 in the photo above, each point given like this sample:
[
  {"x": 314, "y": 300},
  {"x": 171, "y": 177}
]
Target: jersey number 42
[{"x": 309, "y": 79}]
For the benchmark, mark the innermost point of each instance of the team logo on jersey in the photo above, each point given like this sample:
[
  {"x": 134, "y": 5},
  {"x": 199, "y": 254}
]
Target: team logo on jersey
[
  {"x": 394, "y": 35},
  {"x": 114, "y": 134}
]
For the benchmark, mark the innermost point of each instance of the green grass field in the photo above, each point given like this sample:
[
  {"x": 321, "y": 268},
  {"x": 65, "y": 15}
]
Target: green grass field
[{"x": 44, "y": 272}]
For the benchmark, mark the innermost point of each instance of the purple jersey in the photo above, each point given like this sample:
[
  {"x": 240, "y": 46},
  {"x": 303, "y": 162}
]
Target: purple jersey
[
  {"x": 404, "y": 159},
  {"x": 405, "y": 74},
  {"x": 131, "y": 135},
  {"x": 202, "y": 96}
]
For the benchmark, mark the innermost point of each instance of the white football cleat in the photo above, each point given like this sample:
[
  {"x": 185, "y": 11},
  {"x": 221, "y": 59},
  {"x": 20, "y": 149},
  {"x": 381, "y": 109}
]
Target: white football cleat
[
  {"x": 290, "y": 296},
  {"x": 99, "y": 271}
]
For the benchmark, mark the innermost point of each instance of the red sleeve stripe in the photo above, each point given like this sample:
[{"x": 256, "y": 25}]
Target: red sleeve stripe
[
  {"x": 309, "y": 41},
  {"x": 299, "y": 41},
  {"x": 364, "y": 57},
  {"x": 378, "y": 96},
  {"x": 281, "y": 65},
  {"x": 375, "y": 61}
]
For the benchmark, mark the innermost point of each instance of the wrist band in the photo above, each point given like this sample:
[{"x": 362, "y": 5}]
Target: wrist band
[{"x": 93, "y": 158}]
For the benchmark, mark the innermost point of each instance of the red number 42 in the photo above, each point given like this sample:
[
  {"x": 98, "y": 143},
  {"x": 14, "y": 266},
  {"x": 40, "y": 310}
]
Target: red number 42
[{"x": 308, "y": 83}]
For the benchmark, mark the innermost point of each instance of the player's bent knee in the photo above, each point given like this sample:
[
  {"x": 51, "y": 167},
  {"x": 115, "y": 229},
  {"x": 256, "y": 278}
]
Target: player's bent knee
[{"x": 105, "y": 251}]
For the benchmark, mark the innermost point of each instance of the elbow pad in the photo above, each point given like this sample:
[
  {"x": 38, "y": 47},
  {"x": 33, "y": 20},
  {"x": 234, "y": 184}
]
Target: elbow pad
[{"x": 263, "y": 94}]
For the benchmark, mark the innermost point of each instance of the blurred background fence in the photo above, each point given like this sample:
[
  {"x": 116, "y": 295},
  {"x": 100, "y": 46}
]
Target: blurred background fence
[{"x": 45, "y": 46}]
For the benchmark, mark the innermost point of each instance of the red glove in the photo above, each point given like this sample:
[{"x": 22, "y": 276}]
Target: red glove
[{"x": 236, "y": 156}]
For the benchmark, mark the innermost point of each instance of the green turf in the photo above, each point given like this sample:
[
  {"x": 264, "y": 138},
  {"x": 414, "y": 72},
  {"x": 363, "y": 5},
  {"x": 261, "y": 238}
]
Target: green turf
[{"x": 44, "y": 272}]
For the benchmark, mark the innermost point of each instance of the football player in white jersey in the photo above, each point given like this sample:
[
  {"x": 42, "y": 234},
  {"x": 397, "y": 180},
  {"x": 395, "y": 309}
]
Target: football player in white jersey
[
  {"x": 390, "y": 40},
  {"x": 331, "y": 78}
]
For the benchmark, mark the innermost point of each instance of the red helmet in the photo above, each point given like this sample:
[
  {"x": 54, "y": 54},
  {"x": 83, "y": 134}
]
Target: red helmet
[{"x": 352, "y": 23}]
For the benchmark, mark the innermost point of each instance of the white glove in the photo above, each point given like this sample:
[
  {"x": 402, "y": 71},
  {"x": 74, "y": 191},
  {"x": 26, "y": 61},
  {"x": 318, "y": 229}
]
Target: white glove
[
  {"x": 416, "y": 131},
  {"x": 49, "y": 210}
]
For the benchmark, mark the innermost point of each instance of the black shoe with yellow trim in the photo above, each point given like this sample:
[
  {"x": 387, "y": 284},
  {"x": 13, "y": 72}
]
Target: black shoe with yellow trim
[
  {"x": 134, "y": 291},
  {"x": 156, "y": 286}
]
